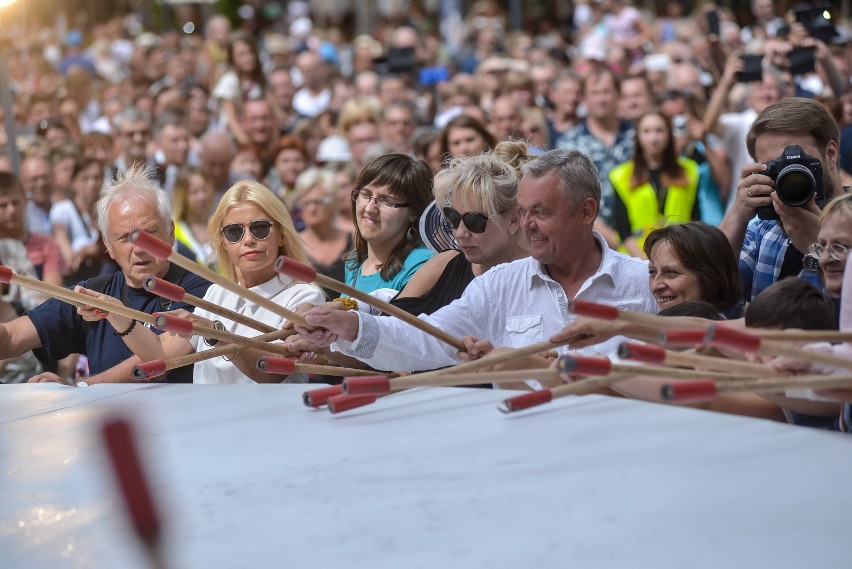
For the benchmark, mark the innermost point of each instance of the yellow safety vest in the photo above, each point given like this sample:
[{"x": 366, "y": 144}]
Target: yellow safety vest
[{"x": 643, "y": 210}]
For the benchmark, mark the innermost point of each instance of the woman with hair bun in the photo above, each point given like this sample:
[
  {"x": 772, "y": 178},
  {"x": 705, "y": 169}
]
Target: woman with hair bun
[{"x": 478, "y": 197}]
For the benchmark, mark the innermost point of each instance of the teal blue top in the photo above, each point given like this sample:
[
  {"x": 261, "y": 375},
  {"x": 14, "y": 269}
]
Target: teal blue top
[{"x": 369, "y": 283}]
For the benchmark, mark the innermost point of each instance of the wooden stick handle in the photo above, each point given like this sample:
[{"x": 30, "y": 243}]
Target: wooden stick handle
[
  {"x": 488, "y": 361},
  {"x": 805, "y": 335},
  {"x": 782, "y": 349},
  {"x": 719, "y": 364},
  {"x": 388, "y": 308},
  {"x": 227, "y": 350},
  {"x": 417, "y": 380},
  {"x": 226, "y": 313},
  {"x": 236, "y": 288},
  {"x": 306, "y": 273},
  {"x": 78, "y": 298},
  {"x": 783, "y": 384}
]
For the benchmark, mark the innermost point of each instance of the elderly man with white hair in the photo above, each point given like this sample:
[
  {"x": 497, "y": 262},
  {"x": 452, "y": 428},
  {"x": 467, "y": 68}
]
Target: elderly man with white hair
[{"x": 54, "y": 330}]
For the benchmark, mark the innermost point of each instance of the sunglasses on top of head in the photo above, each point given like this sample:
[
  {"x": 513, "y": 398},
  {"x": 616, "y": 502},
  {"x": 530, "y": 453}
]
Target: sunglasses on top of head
[
  {"x": 259, "y": 229},
  {"x": 473, "y": 220}
]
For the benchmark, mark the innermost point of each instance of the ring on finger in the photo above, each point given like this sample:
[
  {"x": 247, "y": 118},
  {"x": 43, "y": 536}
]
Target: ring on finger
[{"x": 751, "y": 195}]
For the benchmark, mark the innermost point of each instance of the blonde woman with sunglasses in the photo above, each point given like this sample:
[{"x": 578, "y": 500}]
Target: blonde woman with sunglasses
[
  {"x": 477, "y": 195},
  {"x": 248, "y": 231}
]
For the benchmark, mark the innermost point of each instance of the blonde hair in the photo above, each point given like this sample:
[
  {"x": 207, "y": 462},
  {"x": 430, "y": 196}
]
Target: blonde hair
[
  {"x": 180, "y": 190},
  {"x": 355, "y": 111},
  {"x": 487, "y": 183},
  {"x": 310, "y": 179},
  {"x": 841, "y": 205},
  {"x": 249, "y": 191}
]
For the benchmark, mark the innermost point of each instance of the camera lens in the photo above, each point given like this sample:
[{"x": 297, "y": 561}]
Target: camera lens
[{"x": 795, "y": 185}]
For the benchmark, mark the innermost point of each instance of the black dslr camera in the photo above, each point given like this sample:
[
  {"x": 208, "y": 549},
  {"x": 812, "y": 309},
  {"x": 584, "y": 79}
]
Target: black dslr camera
[{"x": 797, "y": 177}]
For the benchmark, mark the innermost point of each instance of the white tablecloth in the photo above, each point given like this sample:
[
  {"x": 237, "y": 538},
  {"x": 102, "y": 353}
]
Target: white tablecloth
[{"x": 247, "y": 477}]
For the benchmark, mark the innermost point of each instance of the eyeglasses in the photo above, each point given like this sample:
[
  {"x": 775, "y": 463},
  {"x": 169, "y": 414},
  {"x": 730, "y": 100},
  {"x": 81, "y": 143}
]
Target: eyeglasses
[
  {"x": 259, "y": 229},
  {"x": 835, "y": 250},
  {"x": 321, "y": 201},
  {"x": 366, "y": 197},
  {"x": 473, "y": 220}
]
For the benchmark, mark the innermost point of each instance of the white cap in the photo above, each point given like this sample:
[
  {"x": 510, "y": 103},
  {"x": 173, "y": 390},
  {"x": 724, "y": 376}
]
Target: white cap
[{"x": 333, "y": 148}]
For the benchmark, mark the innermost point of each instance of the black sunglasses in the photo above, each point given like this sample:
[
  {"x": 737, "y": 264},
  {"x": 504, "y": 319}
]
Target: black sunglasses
[
  {"x": 473, "y": 220},
  {"x": 234, "y": 232}
]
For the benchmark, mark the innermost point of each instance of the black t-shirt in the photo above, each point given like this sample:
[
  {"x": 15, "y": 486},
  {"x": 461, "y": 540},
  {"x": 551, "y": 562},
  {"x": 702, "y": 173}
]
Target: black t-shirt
[
  {"x": 62, "y": 331},
  {"x": 449, "y": 287}
]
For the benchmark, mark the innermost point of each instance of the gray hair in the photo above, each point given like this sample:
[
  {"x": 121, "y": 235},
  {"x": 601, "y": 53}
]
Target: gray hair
[
  {"x": 130, "y": 114},
  {"x": 136, "y": 183},
  {"x": 578, "y": 177}
]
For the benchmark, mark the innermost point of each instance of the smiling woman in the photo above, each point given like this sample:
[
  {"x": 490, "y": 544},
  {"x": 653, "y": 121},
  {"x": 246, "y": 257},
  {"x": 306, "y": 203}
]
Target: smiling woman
[
  {"x": 692, "y": 261},
  {"x": 834, "y": 241}
]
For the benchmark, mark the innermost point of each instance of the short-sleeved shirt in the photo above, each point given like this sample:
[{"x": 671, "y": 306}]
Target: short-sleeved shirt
[
  {"x": 604, "y": 157},
  {"x": 44, "y": 254},
  {"x": 61, "y": 330},
  {"x": 762, "y": 257},
  {"x": 78, "y": 224},
  {"x": 369, "y": 283}
]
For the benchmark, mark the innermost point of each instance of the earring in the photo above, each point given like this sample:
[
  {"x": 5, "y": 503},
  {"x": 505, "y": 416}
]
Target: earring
[{"x": 411, "y": 234}]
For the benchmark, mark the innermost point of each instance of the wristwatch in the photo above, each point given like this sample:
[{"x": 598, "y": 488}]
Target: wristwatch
[
  {"x": 810, "y": 263},
  {"x": 218, "y": 325}
]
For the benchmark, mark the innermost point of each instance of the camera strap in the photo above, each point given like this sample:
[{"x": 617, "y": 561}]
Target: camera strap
[{"x": 793, "y": 262}]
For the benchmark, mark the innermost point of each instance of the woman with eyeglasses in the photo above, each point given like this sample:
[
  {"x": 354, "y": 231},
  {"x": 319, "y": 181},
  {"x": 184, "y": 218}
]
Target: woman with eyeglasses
[
  {"x": 833, "y": 241},
  {"x": 326, "y": 245},
  {"x": 249, "y": 230},
  {"x": 390, "y": 194},
  {"x": 479, "y": 197}
]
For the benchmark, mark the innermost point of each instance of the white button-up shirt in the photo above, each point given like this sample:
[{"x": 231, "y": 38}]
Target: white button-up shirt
[{"x": 512, "y": 305}]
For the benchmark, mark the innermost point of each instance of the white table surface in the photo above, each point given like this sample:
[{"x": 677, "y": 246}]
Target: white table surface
[{"x": 246, "y": 476}]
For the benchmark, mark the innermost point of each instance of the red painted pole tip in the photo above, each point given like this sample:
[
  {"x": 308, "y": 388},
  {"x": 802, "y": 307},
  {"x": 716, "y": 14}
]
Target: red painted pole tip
[
  {"x": 526, "y": 401},
  {"x": 341, "y": 403},
  {"x": 686, "y": 337},
  {"x": 581, "y": 365},
  {"x": 172, "y": 323},
  {"x": 163, "y": 288},
  {"x": 319, "y": 397},
  {"x": 295, "y": 269},
  {"x": 6, "y": 274},
  {"x": 644, "y": 353},
  {"x": 728, "y": 337},
  {"x": 284, "y": 366},
  {"x": 150, "y": 244},
  {"x": 120, "y": 444},
  {"x": 366, "y": 385},
  {"x": 593, "y": 310},
  {"x": 693, "y": 390},
  {"x": 149, "y": 370}
]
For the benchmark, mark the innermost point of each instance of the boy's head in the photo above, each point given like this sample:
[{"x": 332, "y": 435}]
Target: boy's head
[
  {"x": 792, "y": 303},
  {"x": 13, "y": 202}
]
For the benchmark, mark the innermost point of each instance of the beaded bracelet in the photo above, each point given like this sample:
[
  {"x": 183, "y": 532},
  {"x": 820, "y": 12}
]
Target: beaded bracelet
[
  {"x": 348, "y": 303},
  {"x": 126, "y": 332}
]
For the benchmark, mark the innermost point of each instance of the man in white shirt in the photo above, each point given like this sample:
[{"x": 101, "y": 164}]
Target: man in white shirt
[{"x": 514, "y": 304}]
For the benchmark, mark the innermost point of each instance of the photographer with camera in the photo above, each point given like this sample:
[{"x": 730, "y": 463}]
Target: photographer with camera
[{"x": 795, "y": 145}]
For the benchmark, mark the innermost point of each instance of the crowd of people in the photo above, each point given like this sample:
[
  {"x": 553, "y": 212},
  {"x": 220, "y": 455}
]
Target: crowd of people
[{"x": 481, "y": 179}]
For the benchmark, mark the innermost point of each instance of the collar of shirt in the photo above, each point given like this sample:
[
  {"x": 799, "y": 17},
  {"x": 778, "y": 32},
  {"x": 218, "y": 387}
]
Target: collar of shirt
[{"x": 605, "y": 269}]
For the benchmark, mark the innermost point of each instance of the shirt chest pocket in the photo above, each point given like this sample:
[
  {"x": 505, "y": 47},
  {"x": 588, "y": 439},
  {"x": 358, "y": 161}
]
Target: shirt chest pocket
[{"x": 523, "y": 330}]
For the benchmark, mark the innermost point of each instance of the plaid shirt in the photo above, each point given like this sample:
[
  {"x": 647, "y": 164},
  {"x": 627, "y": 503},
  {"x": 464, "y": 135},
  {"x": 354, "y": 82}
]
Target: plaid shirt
[
  {"x": 762, "y": 257},
  {"x": 604, "y": 157}
]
